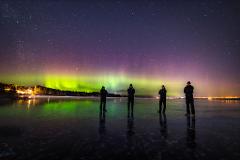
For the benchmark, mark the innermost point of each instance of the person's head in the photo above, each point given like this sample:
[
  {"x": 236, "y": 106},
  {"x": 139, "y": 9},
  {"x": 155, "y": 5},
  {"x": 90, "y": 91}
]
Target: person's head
[
  {"x": 131, "y": 85},
  {"x": 188, "y": 83},
  {"x": 163, "y": 87},
  {"x": 103, "y": 87}
]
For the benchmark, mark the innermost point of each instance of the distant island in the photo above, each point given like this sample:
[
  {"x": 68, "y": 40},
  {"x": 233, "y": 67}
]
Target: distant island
[{"x": 15, "y": 91}]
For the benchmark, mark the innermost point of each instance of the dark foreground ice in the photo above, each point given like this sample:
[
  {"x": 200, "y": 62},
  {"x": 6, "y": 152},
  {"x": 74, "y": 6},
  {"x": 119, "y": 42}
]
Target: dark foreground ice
[{"x": 72, "y": 129}]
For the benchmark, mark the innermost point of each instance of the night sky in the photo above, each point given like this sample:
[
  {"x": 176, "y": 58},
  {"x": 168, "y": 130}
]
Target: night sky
[{"x": 76, "y": 45}]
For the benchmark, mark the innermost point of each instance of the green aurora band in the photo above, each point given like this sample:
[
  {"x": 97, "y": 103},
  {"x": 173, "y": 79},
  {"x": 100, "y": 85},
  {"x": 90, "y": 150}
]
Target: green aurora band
[{"x": 88, "y": 83}]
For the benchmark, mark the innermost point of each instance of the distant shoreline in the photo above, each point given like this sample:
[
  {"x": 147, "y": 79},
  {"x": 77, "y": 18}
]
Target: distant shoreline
[{"x": 137, "y": 97}]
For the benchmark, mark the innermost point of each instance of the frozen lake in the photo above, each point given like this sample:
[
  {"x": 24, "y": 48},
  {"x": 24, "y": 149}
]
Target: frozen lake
[{"x": 72, "y": 129}]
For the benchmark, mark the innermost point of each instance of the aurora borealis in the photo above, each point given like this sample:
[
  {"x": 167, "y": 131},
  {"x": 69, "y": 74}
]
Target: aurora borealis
[{"x": 81, "y": 45}]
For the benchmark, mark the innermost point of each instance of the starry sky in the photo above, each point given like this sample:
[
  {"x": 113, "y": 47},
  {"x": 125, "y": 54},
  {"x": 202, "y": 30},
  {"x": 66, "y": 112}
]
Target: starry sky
[{"x": 82, "y": 45}]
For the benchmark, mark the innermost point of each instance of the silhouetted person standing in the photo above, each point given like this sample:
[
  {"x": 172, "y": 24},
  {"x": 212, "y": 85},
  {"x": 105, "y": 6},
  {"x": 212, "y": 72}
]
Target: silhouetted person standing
[
  {"x": 103, "y": 94},
  {"x": 162, "y": 100},
  {"x": 188, "y": 90},
  {"x": 131, "y": 92}
]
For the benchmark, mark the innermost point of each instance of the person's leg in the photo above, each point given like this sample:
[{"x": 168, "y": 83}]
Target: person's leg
[
  {"x": 128, "y": 105},
  {"x": 104, "y": 106},
  {"x": 132, "y": 106},
  {"x": 188, "y": 110},
  {"x": 101, "y": 106},
  {"x": 192, "y": 107},
  {"x": 164, "y": 106},
  {"x": 160, "y": 106}
]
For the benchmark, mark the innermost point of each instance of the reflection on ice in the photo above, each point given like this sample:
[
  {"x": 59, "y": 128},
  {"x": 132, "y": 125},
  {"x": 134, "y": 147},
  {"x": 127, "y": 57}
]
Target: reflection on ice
[{"x": 56, "y": 128}]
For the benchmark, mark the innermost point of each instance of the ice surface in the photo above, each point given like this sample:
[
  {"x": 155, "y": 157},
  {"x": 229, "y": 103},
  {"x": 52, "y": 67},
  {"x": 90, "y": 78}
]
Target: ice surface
[{"x": 73, "y": 129}]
